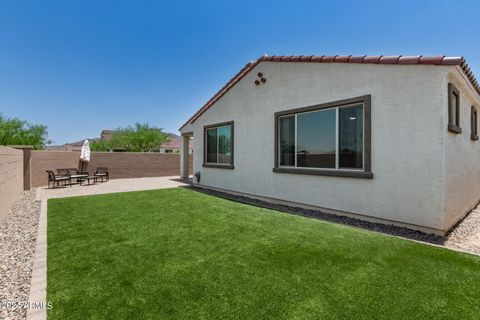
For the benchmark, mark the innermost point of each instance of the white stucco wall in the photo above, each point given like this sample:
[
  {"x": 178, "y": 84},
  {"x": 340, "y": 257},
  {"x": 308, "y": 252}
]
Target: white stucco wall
[
  {"x": 462, "y": 190},
  {"x": 408, "y": 132}
]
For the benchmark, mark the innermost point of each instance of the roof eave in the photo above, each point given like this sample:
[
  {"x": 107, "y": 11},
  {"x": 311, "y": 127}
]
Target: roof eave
[{"x": 400, "y": 60}]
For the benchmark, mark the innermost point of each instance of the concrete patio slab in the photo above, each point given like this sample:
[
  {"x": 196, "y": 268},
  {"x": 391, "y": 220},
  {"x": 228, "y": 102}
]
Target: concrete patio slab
[{"x": 112, "y": 186}]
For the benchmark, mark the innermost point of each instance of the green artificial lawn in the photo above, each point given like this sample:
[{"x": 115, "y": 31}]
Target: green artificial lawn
[{"x": 180, "y": 254}]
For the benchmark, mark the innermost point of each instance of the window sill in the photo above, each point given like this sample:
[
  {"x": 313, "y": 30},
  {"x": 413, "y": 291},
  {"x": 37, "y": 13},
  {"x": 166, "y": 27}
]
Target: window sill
[
  {"x": 219, "y": 166},
  {"x": 474, "y": 137},
  {"x": 454, "y": 128},
  {"x": 320, "y": 172}
]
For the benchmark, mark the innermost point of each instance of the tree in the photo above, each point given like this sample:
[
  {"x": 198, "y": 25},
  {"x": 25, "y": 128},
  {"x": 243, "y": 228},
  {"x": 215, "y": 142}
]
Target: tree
[
  {"x": 14, "y": 131},
  {"x": 101, "y": 145},
  {"x": 139, "y": 138}
]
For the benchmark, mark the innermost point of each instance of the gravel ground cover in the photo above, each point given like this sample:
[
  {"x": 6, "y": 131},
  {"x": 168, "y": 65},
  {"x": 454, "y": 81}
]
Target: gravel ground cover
[
  {"x": 18, "y": 233},
  {"x": 464, "y": 236}
]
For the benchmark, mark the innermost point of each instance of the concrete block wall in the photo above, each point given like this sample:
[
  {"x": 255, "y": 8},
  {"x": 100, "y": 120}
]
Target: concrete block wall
[
  {"x": 120, "y": 164},
  {"x": 11, "y": 178}
]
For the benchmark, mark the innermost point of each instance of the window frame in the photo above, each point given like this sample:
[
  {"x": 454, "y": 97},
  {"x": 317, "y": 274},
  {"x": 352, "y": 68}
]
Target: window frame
[
  {"x": 341, "y": 172},
  {"x": 454, "y": 126},
  {"x": 218, "y": 165},
  {"x": 474, "y": 123}
]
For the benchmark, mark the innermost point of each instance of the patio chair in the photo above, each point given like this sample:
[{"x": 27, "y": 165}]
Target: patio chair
[
  {"x": 73, "y": 173},
  {"x": 62, "y": 172},
  {"x": 102, "y": 173},
  {"x": 56, "y": 180}
]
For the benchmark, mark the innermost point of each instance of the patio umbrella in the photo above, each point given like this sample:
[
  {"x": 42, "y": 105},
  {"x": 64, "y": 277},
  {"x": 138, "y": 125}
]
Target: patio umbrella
[{"x": 85, "y": 153}]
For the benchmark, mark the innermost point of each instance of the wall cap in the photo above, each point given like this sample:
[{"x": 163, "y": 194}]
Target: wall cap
[{"x": 20, "y": 146}]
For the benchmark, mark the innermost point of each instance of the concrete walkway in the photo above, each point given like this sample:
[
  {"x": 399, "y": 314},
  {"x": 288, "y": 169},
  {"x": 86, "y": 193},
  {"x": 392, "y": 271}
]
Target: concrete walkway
[{"x": 38, "y": 288}]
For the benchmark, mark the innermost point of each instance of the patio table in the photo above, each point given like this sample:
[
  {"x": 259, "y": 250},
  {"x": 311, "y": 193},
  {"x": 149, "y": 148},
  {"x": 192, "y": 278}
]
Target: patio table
[{"x": 88, "y": 179}]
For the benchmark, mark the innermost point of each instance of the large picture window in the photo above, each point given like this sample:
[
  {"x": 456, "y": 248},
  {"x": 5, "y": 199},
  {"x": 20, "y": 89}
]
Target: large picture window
[
  {"x": 328, "y": 139},
  {"x": 218, "y": 148}
]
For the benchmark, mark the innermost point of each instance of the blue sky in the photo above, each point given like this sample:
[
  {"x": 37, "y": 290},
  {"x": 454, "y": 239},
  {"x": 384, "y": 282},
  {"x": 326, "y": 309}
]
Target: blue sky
[{"x": 83, "y": 66}]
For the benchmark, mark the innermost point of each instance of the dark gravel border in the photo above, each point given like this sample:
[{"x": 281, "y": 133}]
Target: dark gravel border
[{"x": 316, "y": 214}]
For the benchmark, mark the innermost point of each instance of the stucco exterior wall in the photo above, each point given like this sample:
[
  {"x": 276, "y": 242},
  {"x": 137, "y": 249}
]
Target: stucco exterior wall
[
  {"x": 407, "y": 132},
  {"x": 11, "y": 178},
  {"x": 462, "y": 167}
]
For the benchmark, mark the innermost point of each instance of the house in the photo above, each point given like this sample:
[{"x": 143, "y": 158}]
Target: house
[
  {"x": 391, "y": 139},
  {"x": 173, "y": 145},
  {"x": 106, "y": 135}
]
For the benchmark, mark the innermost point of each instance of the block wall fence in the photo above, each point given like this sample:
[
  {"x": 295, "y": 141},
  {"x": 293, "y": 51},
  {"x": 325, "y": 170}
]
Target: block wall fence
[
  {"x": 22, "y": 168},
  {"x": 11, "y": 178},
  {"x": 120, "y": 164}
]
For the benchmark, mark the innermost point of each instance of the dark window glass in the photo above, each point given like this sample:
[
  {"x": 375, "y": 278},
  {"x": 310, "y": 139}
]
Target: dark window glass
[
  {"x": 453, "y": 110},
  {"x": 212, "y": 145},
  {"x": 351, "y": 137},
  {"x": 316, "y": 139},
  {"x": 225, "y": 144},
  {"x": 475, "y": 125},
  {"x": 287, "y": 141},
  {"x": 473, "y": 120},
  {"x": 219, "y": 145}
]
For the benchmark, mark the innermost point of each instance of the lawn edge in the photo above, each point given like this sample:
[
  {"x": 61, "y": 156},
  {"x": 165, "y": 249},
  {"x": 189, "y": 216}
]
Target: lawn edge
[
  {"x": 324, "y": 217},
  {"x": 38, "y": 284}
]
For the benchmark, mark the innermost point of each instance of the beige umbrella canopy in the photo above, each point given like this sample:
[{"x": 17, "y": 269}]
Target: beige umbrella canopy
[{"x": 85, "y": 154}]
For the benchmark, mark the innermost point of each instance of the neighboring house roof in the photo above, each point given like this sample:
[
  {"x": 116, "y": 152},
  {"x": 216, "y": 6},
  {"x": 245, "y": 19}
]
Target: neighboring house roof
[
  {"x": 107, "y": 134},
  {"x": 172, "y": 143},
  {"x": 398, "y": 60}
]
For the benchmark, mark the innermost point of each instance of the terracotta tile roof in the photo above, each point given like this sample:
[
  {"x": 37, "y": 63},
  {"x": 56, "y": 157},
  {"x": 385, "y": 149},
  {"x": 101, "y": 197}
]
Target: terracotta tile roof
[
  {"x": 410, "y": 60},
  {"x": 173, "y": 143}
]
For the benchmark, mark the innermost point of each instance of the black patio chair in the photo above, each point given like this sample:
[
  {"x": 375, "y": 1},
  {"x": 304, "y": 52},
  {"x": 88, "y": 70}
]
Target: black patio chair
[
  {"x": 73, "y": 173},
  {"x": 62, "y": 172},
  {"x": 57, "y": 180},
  {"x": 77, "y": 174},
  {"x": 102, "y": 173}
]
